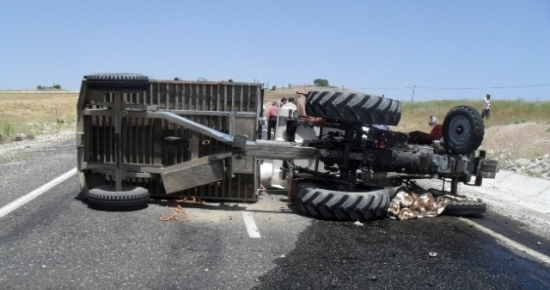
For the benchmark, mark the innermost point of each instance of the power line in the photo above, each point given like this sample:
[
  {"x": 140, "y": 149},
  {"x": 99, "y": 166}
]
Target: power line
[
  {"x": 452, "y": 88},
  {"x": 480, "y": 88}
]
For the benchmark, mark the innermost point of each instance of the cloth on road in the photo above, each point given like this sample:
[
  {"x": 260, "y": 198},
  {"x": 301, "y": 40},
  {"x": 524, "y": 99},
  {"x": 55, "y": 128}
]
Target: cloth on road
[{"x": 406, "y": 204}]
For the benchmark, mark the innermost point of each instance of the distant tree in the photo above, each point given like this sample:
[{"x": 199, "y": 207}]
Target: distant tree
[
  {"x": 57, "y": 87},
  {"x": 273, "y": 88},
  {"x": 39, "y": 87},
  {"x": 289, "y": 86},
  {"x": 321, "y": 82}
]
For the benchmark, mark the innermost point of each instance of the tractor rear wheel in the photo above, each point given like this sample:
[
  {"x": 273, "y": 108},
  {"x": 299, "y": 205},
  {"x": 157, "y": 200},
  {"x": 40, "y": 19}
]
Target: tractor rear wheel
[
  {"x": 353, "y": 107},
  {"x": 319, "y": 200}
]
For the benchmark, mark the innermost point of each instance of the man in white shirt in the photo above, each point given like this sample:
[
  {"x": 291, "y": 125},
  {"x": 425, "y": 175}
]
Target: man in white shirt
[
  {"x": 291, "y": 104},
  {"x": 486, "y": 112}
]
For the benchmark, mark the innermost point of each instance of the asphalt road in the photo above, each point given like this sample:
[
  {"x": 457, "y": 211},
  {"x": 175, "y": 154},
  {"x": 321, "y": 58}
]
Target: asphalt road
[{"x": 56, "y": 242}]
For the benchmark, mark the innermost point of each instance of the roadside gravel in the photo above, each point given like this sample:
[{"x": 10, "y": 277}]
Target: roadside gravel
[{"x": 11, "y": 152}]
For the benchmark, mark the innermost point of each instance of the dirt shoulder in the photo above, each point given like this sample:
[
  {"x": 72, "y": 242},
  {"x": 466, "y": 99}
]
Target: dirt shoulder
[
  {"x": 15, "y": 151},
  {"x": 523, "y": 148},
  {"x": 524, "y": 140}
]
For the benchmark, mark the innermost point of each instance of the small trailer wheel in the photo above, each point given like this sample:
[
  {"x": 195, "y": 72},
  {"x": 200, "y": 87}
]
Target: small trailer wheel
[
  {"x": 117, "y": 82},
  {"x": 107, "y": 198}
]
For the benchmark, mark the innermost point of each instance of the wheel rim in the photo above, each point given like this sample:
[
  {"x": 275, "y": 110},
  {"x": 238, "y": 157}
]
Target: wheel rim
[{"x": 459, "y": 131}]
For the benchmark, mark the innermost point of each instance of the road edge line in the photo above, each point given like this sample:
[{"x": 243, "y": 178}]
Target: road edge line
[
  {"x": 250, "y": 224},
  {"x": 511, "y": 243},
  {"x": 35, "y": 193}
]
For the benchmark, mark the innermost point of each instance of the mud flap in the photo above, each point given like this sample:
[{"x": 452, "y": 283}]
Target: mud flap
[{"x": 194, "y": 173}]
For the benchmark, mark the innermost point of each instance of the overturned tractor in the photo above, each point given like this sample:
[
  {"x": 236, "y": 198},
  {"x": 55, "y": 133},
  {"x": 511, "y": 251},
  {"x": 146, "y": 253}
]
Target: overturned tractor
[{"x": 140, "y": 138}]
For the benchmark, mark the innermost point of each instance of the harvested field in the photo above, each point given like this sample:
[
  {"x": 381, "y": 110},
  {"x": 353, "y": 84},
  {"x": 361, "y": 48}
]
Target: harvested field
[{"x": 34, "y": 112}]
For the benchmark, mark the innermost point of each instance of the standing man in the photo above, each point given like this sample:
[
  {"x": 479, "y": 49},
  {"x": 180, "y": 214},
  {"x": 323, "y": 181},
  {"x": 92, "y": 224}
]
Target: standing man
[
  {"x": 437, "y": 129},
  {"x": 290, "y": 104},
  {"x": 283, "y": 101},
  {"x": 433, "y": 121},
  {"x": 271, "y": 116},
  {"x": 486, "y": 112}
]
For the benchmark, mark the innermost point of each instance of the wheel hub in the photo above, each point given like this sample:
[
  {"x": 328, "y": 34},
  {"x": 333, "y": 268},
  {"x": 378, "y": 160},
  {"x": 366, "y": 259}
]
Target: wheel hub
[{"x": 460, "y": 130}]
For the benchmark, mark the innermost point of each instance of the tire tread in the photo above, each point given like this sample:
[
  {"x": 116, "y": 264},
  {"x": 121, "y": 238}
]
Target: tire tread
[
  {"x": 353, "y": 107},
  {"x": 319, "y": 202}
]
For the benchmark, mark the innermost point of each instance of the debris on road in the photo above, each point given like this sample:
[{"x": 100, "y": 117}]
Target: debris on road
[
  {"x": 358, "y": 224},
  {"x": 412, "y": 202},
  {"x": 178, "y": 213},
  {"x": 408, "y": 205}
]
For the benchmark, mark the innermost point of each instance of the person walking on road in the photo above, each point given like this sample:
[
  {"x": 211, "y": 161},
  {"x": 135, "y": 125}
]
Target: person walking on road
[
  {"x": 486, "y": 112},
  {"x": 271, "y": 116}
]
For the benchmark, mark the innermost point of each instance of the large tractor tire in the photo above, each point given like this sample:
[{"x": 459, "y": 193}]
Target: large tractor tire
[
  {"x": 317, "y": 200},
  {"x": 117, "y": 82},
  {"x": 465, "y": 208},
  {"x": 463, "y": 130},
  {"x": 107, "y": 198},
  {"x": 353, "y": 107}
]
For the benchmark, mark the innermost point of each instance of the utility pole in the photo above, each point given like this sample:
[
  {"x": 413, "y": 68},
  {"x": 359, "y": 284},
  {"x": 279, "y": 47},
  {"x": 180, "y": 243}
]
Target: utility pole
[{"x": 412, "y": 97}]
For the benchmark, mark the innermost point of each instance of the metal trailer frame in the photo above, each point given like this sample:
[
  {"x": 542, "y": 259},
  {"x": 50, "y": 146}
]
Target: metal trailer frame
[{"x": 176, "y": 137}]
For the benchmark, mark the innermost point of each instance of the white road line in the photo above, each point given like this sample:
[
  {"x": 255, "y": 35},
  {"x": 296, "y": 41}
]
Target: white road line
[
  {"x": 251, "y": 228},
  {"x": 513, "y": 244},
  {"x": 35, "y": 193}
]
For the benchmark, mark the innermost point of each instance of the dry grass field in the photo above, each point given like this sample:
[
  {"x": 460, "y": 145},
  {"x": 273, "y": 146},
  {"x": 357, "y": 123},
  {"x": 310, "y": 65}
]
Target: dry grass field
[{"x": 35, "y": 112}]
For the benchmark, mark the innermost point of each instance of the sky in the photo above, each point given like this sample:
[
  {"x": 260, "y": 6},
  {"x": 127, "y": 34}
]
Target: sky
[{"x": 443, "y": 49}]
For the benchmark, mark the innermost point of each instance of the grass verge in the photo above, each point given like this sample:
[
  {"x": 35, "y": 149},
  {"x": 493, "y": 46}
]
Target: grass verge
[{"x": 36, "y": 113}]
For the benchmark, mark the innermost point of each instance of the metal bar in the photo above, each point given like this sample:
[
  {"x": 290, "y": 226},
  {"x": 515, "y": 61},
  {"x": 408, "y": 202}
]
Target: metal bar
[
  {"x": 249, "y": 99},
  {"x": 215, "y": 113},
  {"x": 241, "y": 100},
  {"x": 276, "y": 150},
  {"x": 176, "y": 97},
  {"x": 127, "y": 167},
  {"x": 225, "y": 98},
  {"x": 232, "y": 98},
  {"x": 118, "y": 141},
  {"x": 218, "y": 97},
  {"x": 112, "y": 139},
  {"x": 167, "y": 96},
  {"x": 188, "y": 94},
  {"x": 203, "y": 97},
  {"x": 184, "y": 122},
  {"x": 211, "y": 95},
  {"x": 129, "y": 148}
]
